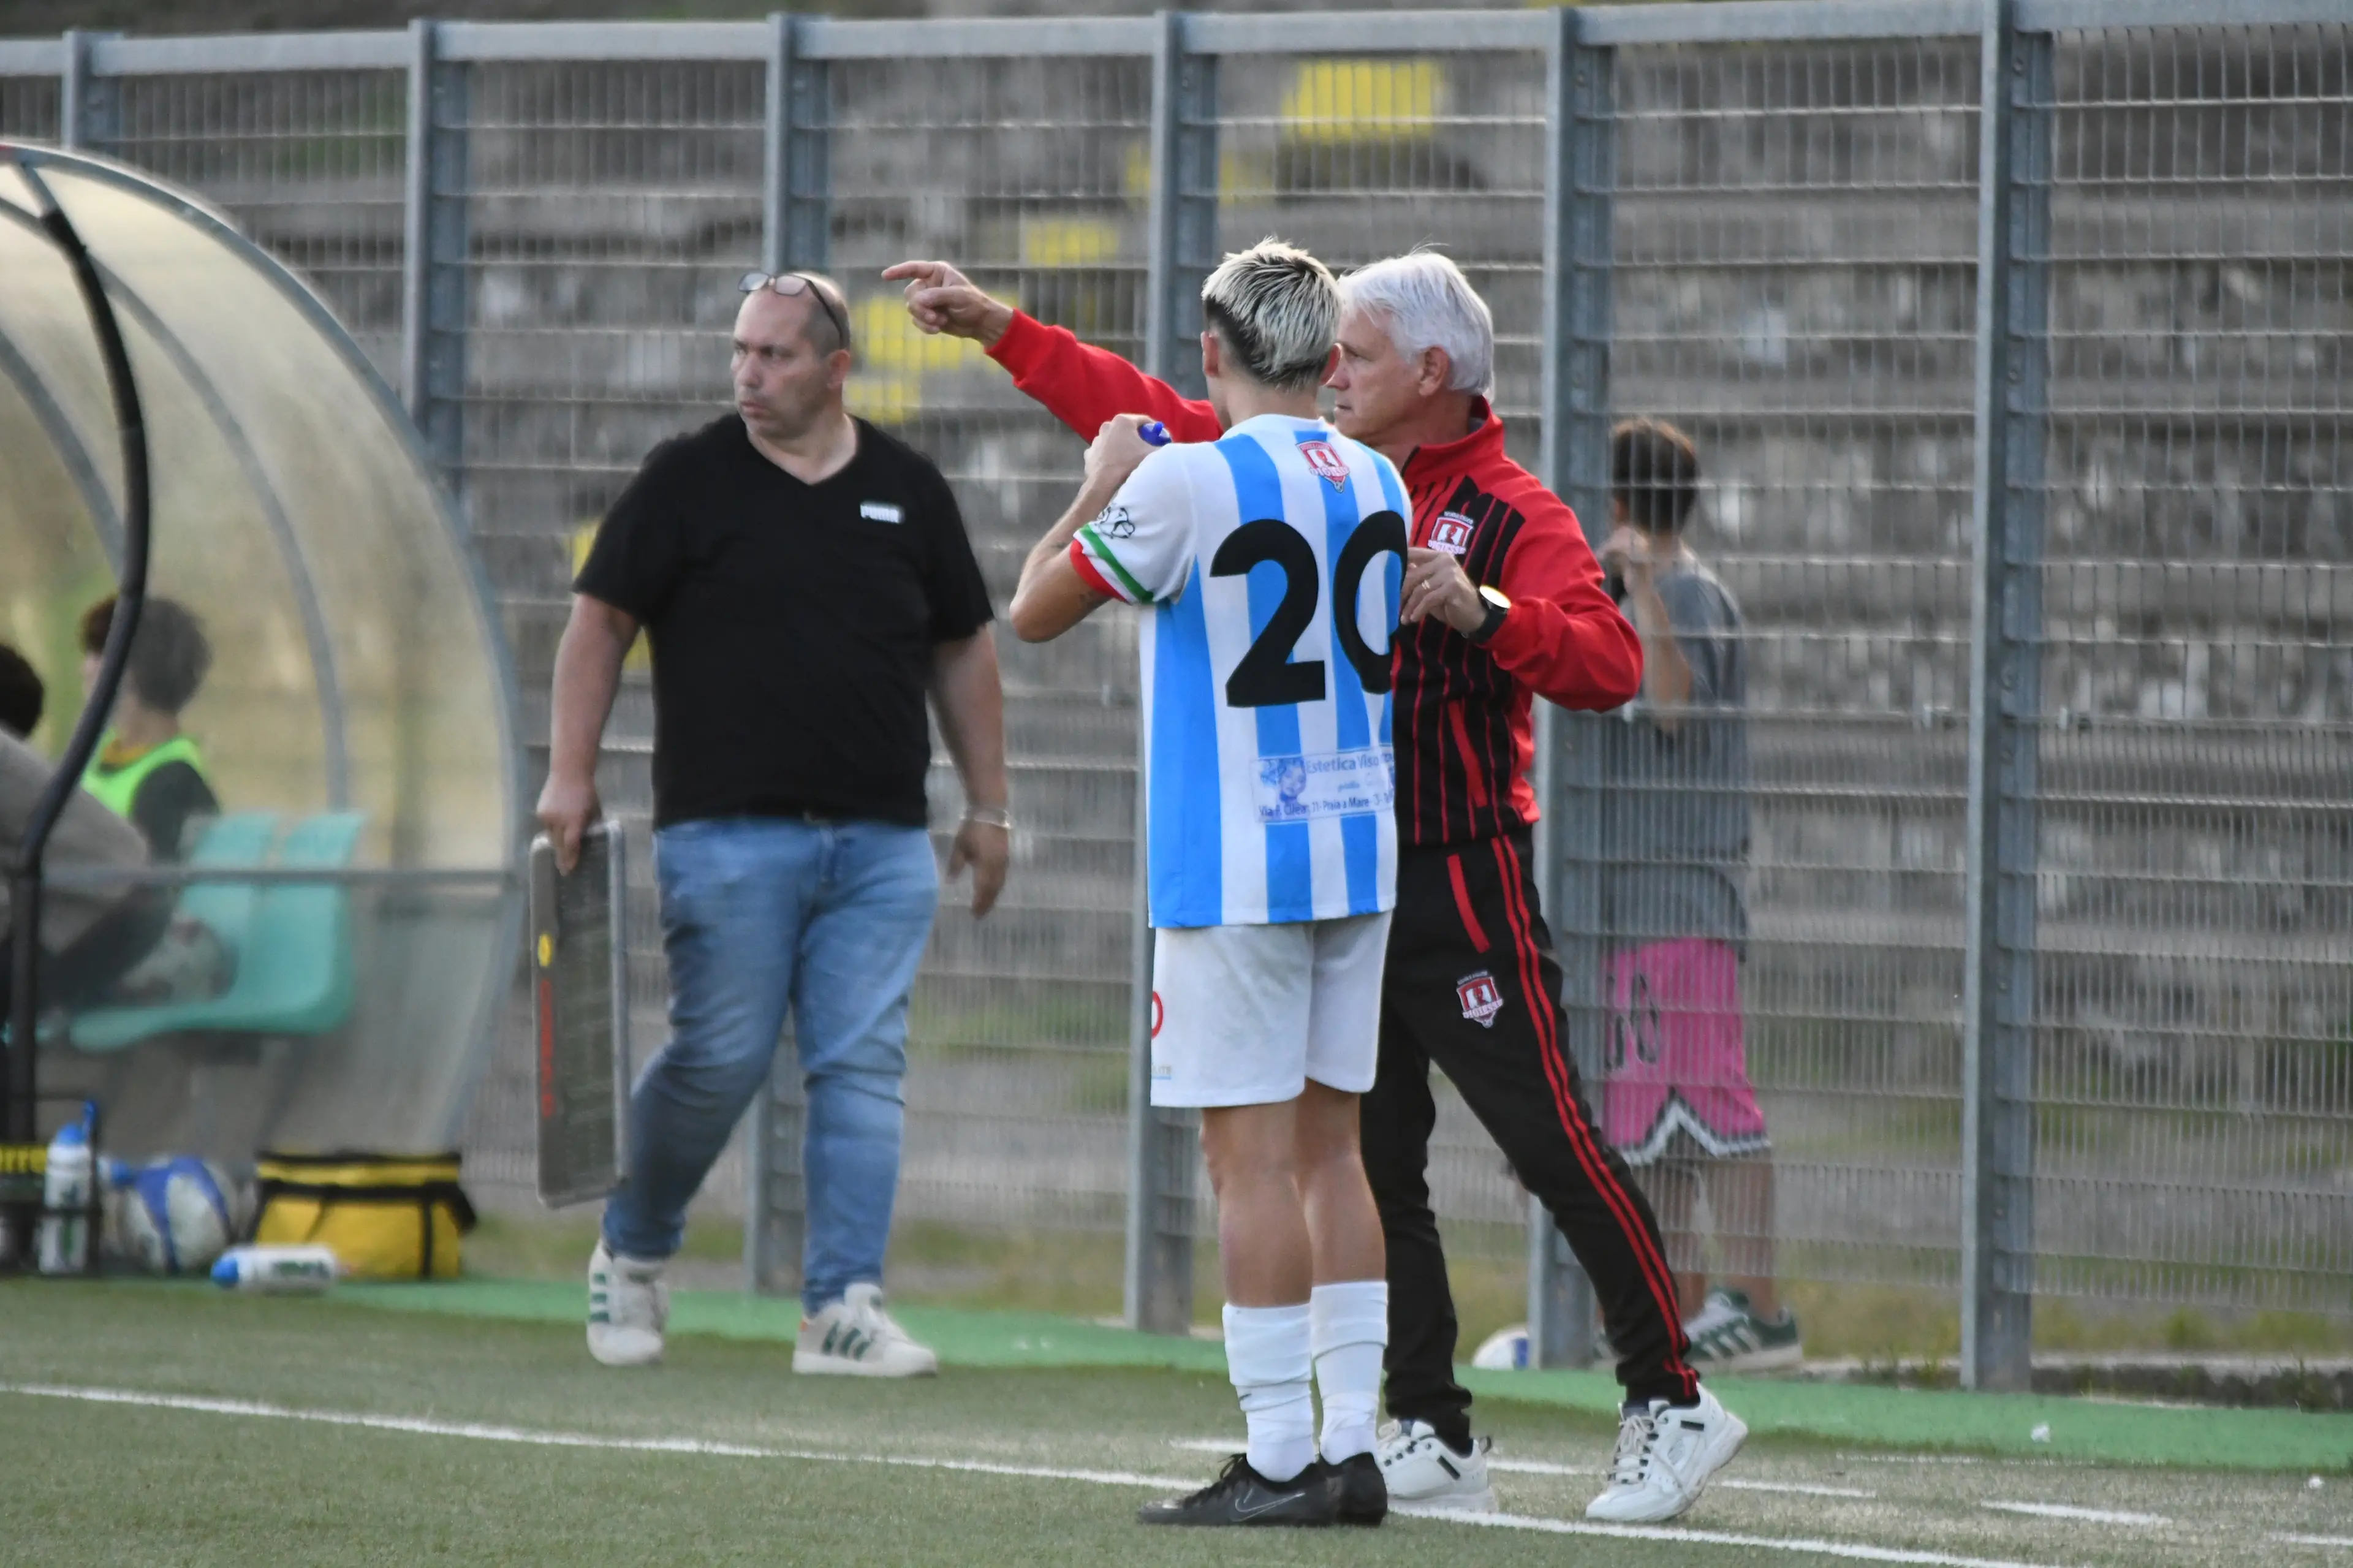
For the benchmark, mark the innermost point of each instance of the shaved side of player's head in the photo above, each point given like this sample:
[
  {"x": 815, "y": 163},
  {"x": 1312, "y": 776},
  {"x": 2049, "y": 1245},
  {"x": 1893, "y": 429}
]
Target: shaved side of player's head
[{"x": 1277, "y": 310}]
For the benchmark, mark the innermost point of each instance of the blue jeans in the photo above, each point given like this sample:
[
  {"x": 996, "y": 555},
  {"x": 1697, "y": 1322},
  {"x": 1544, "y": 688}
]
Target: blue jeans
[{"x": 759, "y": 915}]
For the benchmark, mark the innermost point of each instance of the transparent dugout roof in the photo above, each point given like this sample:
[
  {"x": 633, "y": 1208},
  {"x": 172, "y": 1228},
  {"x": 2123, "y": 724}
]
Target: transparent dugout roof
[{"x": 357, "y": 664}]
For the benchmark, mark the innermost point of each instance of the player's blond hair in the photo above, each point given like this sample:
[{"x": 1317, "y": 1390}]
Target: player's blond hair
[{"x": 1277, "y": 310}]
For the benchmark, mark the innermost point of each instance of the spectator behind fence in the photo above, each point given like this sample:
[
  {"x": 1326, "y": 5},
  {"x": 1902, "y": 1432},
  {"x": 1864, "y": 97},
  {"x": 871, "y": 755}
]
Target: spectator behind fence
[
  {"x": 146, "y": 769},
  {"x": 89, "y": 936},
  {"x": 1679, "y": 1105}
]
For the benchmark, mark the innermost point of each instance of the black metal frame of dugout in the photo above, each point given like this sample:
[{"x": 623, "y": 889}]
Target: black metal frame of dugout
[{"x": 20, "y": 1096}]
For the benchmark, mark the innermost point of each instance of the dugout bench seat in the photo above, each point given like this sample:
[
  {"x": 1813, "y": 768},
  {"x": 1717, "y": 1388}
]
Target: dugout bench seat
[{"x": 293, "y": 940}]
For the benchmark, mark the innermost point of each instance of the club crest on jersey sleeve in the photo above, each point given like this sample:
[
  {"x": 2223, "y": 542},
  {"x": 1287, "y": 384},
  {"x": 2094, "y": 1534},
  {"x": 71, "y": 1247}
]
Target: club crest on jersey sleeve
[
  {"x": 1326, "y": 462},
  {"x": 1450, "y": 533},
  {"x": 1482, "y": 999}
]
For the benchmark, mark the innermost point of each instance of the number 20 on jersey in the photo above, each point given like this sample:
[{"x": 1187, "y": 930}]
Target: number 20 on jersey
[{"x": 1268, "y": 675}]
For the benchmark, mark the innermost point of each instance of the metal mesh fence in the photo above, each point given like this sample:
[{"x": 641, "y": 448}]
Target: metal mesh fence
[
  {"x": 2193, "y": 1022},
  {"x": 1794, "y": 243},
  {"x": 1795, "y": 235},
  {"x": 309, "y": 166},
  {"x": 29, "y": 107}
]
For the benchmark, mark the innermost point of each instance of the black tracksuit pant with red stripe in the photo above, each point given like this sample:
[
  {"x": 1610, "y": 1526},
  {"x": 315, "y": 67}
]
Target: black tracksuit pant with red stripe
[{"x": 1471, "y": 987}]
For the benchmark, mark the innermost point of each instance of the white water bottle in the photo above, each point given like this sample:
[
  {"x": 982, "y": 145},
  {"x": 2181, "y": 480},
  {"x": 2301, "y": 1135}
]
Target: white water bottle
[
  {"x": 276, "y": 1270},
  {"x": 65, "y": 1195}
]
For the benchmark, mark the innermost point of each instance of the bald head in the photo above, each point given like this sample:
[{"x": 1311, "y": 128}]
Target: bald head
[
  {"x": 818, "y": 310},
  {"x": 791, "y": 360}
]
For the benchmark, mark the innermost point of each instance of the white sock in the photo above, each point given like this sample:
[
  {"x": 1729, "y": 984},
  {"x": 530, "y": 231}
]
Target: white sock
[
  {"x": 1348, "y": 1327},
  {"x": 1268, "y": 1359}
]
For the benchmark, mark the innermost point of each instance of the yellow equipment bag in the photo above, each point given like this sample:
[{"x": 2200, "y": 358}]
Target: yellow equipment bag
[{"x": 387, "y": 1216}]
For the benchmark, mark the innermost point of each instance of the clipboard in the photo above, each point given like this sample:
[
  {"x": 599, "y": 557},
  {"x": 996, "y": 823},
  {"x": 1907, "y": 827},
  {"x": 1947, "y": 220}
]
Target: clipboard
[{"x": 580, "y": 1014}]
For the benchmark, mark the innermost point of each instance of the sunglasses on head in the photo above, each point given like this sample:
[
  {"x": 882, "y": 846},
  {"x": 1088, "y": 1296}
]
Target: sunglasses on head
[{"x": 792, "y": 286}]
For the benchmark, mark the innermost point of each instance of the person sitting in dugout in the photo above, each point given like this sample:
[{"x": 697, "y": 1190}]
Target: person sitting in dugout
[
  {"x": 92, "y": 937},
  {"x": 147, "y": 769}
]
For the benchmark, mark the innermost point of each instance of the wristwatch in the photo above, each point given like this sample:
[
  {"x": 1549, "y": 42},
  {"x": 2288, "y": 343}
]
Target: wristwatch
[{"x": 1498, "y": 606}]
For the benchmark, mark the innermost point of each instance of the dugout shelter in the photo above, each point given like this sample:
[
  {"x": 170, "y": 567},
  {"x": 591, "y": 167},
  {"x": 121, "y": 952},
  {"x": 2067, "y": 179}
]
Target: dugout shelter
[{"x": 359, "y": 717}]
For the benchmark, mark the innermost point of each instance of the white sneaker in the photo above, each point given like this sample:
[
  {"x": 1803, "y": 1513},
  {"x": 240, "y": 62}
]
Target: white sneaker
[
  {"x": 1425, "y": 1475},
  {"x": 1666, "y": 1455},
  {"x": 628, "y": 1307},
  {"x": 854, "y": 1337}
]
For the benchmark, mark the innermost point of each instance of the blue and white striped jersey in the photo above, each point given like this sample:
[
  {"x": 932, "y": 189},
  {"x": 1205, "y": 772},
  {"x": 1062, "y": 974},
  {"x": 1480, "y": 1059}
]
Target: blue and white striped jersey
[{"x": 1270, "y": 560}]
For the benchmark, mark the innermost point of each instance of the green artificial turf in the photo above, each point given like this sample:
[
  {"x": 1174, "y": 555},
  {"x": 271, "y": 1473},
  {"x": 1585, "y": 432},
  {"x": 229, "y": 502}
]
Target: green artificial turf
[{"x": 145, "y": 1423}]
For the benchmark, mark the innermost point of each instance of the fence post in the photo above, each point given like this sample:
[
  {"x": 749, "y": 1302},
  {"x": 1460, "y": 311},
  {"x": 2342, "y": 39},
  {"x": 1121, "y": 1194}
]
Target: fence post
[
  {"x": 1181, "y": 236},
  {"x": 795, "y": 228},
  {"x": 1183, "y": 214},
  {"x": 2014, "y": 174},
  {"x": 1579, "y": 168},
  {"x": 89, "y": 106},
  {"x": 433, "y": 256}
]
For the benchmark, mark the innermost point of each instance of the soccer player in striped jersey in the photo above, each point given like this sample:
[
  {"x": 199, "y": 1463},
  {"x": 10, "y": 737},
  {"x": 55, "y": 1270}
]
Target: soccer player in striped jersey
[{"x": 1270, "y": 563}]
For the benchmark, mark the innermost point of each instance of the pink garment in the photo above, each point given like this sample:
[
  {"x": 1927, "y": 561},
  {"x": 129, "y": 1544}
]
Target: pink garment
[{"x": 1675, "y": 1058}]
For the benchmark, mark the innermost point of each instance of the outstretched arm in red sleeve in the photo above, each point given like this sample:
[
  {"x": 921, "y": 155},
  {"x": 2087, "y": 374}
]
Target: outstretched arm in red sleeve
[
  {"x": 1083, "y": 385},
  {"x": 1080, "y": 385}
]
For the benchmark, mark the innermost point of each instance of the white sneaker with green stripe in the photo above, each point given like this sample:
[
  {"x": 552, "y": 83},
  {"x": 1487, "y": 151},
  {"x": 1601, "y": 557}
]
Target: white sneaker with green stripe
[
  {"x": 628, "y": 1308},
  {"x": 854, "y": 1337}
]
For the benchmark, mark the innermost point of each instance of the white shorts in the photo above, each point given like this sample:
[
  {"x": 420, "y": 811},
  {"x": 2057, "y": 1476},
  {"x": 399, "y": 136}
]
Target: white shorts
[{"x": 1247, "y": 1015}]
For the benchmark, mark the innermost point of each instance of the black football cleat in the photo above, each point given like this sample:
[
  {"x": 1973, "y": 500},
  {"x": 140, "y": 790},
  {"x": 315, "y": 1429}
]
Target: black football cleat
[
  {"x": 1242, "y": 1496},
  {"x": 1363, "y": 1496}
]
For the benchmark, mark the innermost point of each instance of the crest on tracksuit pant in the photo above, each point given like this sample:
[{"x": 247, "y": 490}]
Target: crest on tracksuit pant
[{"x": 1482, "y": 999}]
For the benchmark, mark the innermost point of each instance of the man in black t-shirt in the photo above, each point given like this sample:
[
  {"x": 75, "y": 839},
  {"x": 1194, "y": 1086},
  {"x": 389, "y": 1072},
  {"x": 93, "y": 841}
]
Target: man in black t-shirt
[{"x": 806, "y": 584}]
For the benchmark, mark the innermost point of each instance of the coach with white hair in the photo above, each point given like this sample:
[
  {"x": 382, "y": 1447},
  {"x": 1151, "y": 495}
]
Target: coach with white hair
[{"x": 1503, "y": 603}]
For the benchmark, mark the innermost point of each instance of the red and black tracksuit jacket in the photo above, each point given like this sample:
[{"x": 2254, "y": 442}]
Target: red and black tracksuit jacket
[{"x": 1471, "y": 983}]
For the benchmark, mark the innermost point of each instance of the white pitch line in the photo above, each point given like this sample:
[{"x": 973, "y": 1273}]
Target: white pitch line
[
  {"x": 1544, "y": 1467},
  {"x": 2312, "y": 1540},
  {"x": 2068, "y": 1510},
  {"x": 1794, "y": 1488},
  {"x": 482, "y": 1432}
]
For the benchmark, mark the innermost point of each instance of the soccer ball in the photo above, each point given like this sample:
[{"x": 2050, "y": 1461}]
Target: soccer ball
[
  {"x": 1506, "y": 1350},
  {"x": 173, "y": 1216}
]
